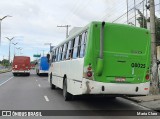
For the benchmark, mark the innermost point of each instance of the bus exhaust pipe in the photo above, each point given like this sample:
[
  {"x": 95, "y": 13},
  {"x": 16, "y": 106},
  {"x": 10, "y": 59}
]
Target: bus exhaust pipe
[
  {"x": 101, "y": 40},
  {"x": 99, "y": 68}
]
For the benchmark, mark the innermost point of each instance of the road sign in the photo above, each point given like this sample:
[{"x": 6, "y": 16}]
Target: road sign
[{"x": 37, "y": 55}]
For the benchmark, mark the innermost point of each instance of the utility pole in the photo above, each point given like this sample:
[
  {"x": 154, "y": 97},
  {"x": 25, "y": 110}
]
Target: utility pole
[
  {"x": 146, "y": 9},
  {"x": 135, "y": 11},
  {"x": 50, "y": 45},
  {"x": 10, "y": 39},
  {"x": 143, "y": 14},
  {"x": 67, "y": 26},
  {"x": 3, "y": 60},
  {"x": 43, "y": 52},
  {"x": 127, "y": 11},
  {"x": 154, "y": 79}
]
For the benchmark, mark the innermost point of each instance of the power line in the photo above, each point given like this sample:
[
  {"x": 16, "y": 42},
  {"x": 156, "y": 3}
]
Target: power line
[
  {"x": 111, "y": 9},
  {"x": 128, "y": 11}
]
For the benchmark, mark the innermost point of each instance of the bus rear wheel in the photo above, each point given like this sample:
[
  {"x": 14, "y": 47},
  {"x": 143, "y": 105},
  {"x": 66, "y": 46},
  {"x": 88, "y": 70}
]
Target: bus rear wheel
[
  {"x": 14, "y": 74},
  {"x": 67, "y": 96},
  {"x": 52, "y": 85},
  {"x": 37, "y": 72}
]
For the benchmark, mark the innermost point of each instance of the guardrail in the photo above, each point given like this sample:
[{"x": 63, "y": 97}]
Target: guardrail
[{"x": 5, "y": 70}]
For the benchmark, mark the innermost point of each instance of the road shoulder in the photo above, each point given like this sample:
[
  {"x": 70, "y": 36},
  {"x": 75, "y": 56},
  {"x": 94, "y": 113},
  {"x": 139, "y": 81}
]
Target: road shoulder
[{"x": 150, "y": 101}]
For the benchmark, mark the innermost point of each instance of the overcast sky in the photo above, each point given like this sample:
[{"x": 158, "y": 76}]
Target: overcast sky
[{"x": 34, "y": 22}]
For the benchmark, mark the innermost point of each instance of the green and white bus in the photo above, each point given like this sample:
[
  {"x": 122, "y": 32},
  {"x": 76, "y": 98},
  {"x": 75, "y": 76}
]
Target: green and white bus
[{"x": 102, "y": 58}]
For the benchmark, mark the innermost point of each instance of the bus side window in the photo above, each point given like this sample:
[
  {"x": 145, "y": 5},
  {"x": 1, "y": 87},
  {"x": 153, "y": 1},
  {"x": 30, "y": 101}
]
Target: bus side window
[
  {"x": 68, "y": 50},
  {"x": 71, "y": 50},
  {"x": 53, "y": 56},
  {"x": 56, "y": 55},
  {"x": 83, "y": 44},
  {"x": 75, "y": 47},
  {"x": 64, "y": 52},
  {"x": 79, "y": 45},
  {"x": 59, "y": 53},
  {"x": 85, "y": 41}
]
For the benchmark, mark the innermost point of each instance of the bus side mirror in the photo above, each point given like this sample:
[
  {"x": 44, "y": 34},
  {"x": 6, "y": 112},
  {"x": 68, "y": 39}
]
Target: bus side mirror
[{"x": 48, "y": 57}]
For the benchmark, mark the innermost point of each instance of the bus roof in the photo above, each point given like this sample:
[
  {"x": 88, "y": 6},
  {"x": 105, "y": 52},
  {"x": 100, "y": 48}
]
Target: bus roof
[
  {"x": 95, "y": 22},
  {"x": 21, "y": 57},
  {"x": 72, "y": 36}
]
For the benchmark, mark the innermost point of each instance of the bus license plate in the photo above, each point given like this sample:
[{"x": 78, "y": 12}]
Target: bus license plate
[{"x": 120, "y": 79}]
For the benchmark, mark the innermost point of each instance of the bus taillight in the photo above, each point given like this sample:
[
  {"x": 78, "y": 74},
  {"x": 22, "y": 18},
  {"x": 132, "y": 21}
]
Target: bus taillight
[
  {"x": 89, "y": 74},
  {"x": 89, "y": 68},
  {"x": 147, "y": 77}
]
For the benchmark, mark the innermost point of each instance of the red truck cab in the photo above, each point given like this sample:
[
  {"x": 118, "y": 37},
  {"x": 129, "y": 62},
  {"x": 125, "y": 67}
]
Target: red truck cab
[{"x": 21, "y": 65}]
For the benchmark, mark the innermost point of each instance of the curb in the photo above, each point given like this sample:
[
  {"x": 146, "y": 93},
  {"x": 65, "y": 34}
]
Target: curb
[
  {"x": 139, "y": 103},
  {"x": 134, "y": 100}
]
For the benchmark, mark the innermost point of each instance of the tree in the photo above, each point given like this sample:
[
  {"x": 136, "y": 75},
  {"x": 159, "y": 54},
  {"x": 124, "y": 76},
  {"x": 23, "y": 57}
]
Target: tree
[
  {"x": 5, "y": 62},
  {"x": 142, "y": 20}
]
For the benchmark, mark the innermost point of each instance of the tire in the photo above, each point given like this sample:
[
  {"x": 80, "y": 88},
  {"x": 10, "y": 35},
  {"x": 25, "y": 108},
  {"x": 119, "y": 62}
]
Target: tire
[
  {"x": 52, "y": 85},
  {"x": 14, "y": 74},
  {"x": 111, "y": 98},
  {"x": 38, "y": 73},
  {"x": 67, "y": 96}
]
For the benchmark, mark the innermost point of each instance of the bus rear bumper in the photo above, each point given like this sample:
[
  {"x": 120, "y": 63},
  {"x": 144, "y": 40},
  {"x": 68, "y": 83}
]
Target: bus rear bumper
[
  {"x": 94, "y": 87},
  {"x": 20, "y": 71},
  {"x": 43, "y": 71}
]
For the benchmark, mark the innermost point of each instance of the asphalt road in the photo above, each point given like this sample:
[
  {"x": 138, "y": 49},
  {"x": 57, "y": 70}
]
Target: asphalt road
[{"x": 34, "y": 93}]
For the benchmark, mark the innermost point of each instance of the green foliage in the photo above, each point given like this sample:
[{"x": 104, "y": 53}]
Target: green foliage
[
  {"x": 142, "y": 18},
  {"x": 4, "y": 62}
]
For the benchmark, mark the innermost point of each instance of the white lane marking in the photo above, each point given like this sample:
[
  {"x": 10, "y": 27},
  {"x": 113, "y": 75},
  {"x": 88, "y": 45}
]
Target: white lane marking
[
  {"x": 6, "y": 81},
  {"x": 140, "y": 106},
  {"x": 39, "y": 85},
  {"x": 46, "y": 98}
]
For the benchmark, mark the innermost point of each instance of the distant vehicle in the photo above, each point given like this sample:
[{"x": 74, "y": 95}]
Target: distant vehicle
[
  {"x": 102, "y": 58},
  {"x": 42, "y": 66},
  {"x": 21, "y": 65},
  {"x": 32, "y": 66}
]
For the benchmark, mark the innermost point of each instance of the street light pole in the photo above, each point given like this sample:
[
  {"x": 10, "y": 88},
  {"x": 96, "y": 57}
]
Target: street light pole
[
  {"x": 20, "y": 51},
  {"x": 10, "y": 39},
  {"x": 0, "y": 25},
  {"x": 14, "y": 47}
]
